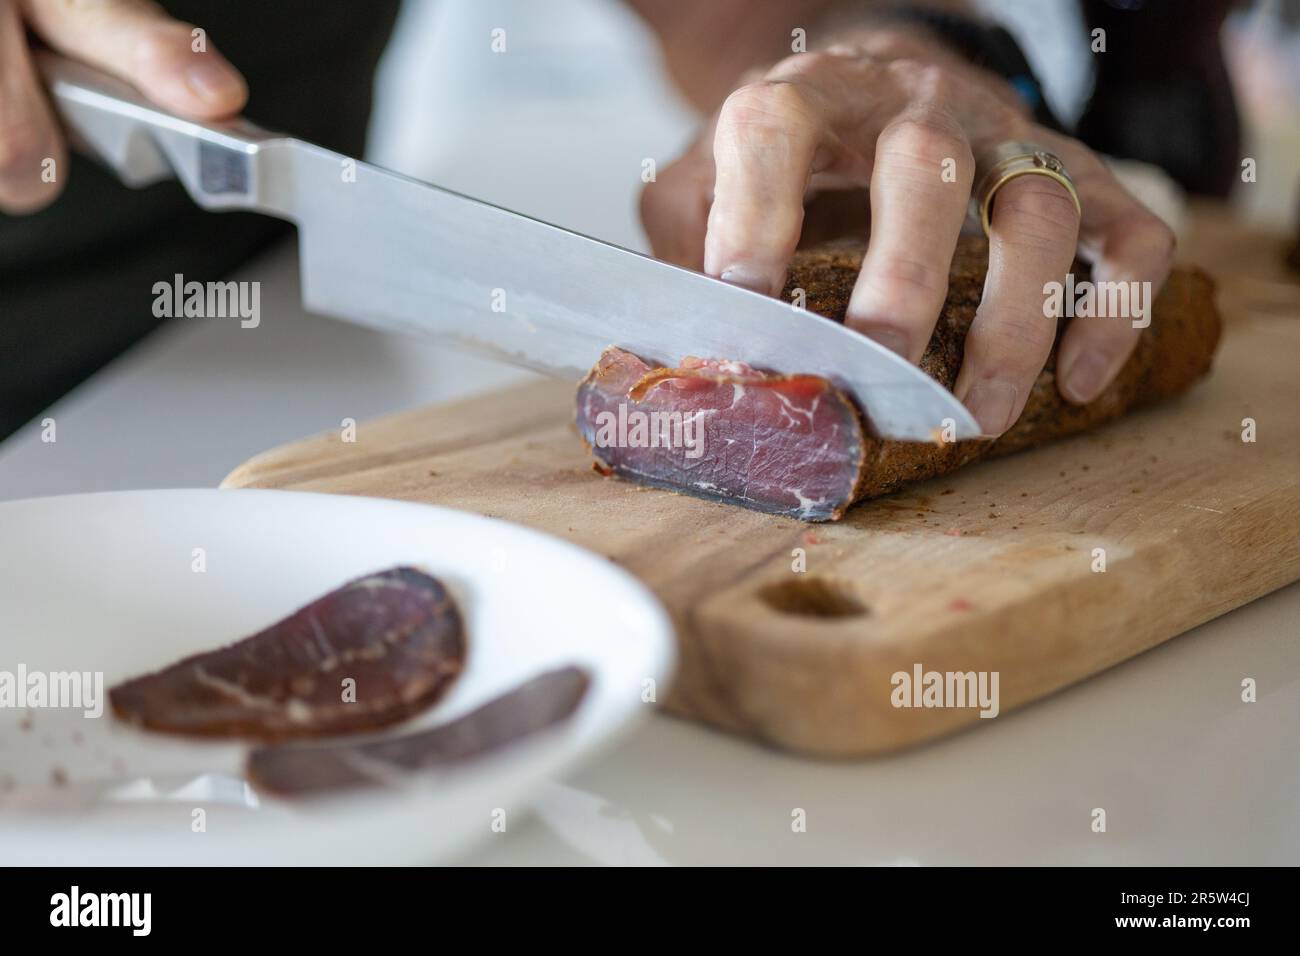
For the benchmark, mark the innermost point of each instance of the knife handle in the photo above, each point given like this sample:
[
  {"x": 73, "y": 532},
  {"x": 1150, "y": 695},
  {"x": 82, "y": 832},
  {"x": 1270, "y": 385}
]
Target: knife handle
[{"x": 227, "y": 165}]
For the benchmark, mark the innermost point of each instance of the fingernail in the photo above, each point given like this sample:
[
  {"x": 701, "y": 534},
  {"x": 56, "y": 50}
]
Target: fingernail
[
  {"x": 890, "y": 339},
  {"x": 992, "y": 403},
  {"x": 1086, "y": 377},
  {"x": 747, "y": 277},
  {"x": 211, "y": 81}
]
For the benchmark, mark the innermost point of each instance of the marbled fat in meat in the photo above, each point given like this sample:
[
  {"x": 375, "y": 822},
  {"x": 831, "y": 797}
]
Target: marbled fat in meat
[{"x": 785, "y": 444}]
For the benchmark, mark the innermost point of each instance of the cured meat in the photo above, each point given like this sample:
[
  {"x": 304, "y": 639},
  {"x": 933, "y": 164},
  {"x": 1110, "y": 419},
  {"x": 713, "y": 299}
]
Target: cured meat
[
  {"x": 788, "y": 444},
  {"x": 307, "y": 769},
  {"x": 774, "y": 475},
  {"x": 366, "y": 655}
]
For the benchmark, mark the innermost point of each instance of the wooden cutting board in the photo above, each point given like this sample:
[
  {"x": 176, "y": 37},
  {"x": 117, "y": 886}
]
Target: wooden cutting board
[{"x": 990, "y": 569}]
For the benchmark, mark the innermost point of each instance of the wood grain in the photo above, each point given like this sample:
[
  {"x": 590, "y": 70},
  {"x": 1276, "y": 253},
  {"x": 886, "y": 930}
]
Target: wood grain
[{"x": 989, "y": 569}]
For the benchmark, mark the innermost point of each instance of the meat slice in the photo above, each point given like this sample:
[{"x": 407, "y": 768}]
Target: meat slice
[
  {"x": 366, "y": 655},
  {"x": 786, "y": 444},
  {"x": 311, "y": 769},
  {"x": 815, "y": 466}
]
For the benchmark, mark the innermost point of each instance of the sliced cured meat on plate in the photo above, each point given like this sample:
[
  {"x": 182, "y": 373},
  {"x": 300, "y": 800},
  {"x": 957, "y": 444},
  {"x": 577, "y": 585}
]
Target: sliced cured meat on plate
[
  {"x": 373, "y": 652},
  {"x": 80, "y": 789}
]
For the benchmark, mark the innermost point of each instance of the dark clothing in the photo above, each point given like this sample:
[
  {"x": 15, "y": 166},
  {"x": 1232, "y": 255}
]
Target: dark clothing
[
  {"x": 76, "y": 279},
  {"x": 1162, "y": 92}
]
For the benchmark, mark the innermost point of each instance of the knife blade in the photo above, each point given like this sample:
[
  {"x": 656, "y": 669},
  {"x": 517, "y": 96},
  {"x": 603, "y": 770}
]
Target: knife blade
[{"x": 391, "y": 252}]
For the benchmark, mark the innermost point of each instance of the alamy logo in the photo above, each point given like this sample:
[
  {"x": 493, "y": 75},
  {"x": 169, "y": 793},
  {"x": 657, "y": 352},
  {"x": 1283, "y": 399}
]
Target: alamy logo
[
  {"x": 922, "y": 688},
  {"x": 208, "y": 300},
  {"x": 102, "y": 909},
  {"x": 35, "y": 690},
  {"x": 640, "y": 429},
  {"x": 1101, "y": 300}
]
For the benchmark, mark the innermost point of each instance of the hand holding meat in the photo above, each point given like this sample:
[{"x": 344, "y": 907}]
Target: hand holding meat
[{"x": 894, "y": 110}]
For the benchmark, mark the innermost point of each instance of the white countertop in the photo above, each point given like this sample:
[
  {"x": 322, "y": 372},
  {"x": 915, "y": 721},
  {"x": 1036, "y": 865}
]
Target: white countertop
[{"x": 1186, "y": 772}]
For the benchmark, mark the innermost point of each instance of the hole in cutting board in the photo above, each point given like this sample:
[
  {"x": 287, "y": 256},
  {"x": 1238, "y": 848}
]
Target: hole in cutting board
[{"x": 812, "y": 597}]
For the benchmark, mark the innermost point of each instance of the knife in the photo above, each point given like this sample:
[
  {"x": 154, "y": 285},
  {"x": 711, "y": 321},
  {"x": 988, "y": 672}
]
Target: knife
[{"x": 393, "y": 253}]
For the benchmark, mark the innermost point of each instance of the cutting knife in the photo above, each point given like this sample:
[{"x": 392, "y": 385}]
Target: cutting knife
[{"x": 394, "y": 253}]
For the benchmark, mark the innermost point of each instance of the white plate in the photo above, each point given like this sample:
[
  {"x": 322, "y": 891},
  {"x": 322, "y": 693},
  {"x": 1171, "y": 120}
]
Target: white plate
[{"x": 107, "y": 582}]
